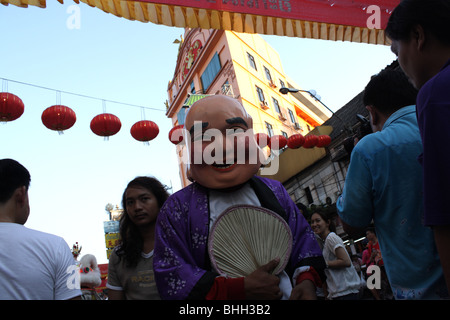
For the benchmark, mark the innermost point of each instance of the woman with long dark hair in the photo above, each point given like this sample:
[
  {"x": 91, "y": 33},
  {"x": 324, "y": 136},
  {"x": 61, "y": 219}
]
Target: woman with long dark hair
[
  {"x": 130, "y": 271},
  {"x": 342, "y": 280}
]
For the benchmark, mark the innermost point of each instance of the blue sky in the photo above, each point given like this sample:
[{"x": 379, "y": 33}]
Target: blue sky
[{"x": 74, "y": 175}]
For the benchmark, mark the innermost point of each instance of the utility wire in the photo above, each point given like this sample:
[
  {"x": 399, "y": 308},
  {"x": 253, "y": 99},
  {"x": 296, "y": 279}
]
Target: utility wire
[{"x": 82, "y": 95}]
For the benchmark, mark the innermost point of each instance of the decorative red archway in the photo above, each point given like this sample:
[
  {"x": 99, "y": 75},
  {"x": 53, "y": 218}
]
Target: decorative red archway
[{"x": 346, "y": 20}]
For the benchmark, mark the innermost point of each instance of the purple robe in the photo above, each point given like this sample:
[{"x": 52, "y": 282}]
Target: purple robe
[{"x": 181, "y": 262}]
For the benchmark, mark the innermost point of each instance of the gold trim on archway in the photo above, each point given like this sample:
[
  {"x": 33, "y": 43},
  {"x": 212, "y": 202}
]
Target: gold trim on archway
[{"x": 189, "y": 17}]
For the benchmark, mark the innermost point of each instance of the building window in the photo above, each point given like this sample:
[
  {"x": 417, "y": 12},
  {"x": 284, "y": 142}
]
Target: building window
[
  {"x": 267, "y": 72},
  {"x": 291, "y": 115},
  {"x": 260, "y": 94},
  {"x": 181, "y": 115},
  {"x": 309, "y": 195},
  {"x": 282, "y": 84},
  {"x": 276, "y": 105},
  {"x": 192, "y": 87},
  {"x": 269, "y": 129},
  {"x": 285, "y": 134},
  {"x": 210, "y": 72},
  {"x": 251, "y": 60}
]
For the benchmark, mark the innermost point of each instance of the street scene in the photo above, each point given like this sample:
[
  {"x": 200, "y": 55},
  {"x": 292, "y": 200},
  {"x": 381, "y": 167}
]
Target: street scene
[{"x": 224, "y": 150}]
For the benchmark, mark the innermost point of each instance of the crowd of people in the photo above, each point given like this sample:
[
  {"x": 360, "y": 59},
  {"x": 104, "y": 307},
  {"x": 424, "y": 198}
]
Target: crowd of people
[{"x": 396, "y": 181}]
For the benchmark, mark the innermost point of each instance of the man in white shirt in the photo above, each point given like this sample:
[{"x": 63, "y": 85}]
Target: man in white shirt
[{"x": 33, "y": 265}]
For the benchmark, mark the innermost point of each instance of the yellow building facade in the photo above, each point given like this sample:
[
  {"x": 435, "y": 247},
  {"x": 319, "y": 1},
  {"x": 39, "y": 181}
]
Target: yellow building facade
[{"x": 247, "y": 68}]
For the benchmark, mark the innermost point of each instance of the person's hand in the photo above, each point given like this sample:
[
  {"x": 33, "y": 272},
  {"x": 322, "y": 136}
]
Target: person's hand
[
  {"x": 261, "y": 284},
  {"x": 305, "y": 290}
]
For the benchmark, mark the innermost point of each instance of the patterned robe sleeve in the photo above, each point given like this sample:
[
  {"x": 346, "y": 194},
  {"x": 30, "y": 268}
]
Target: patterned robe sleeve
[{"x": 178, "y": 265}]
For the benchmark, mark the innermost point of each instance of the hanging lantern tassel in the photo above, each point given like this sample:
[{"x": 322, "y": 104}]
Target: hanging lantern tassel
[
  {"x": 105, "y": 125},
  {"x": 144, "y": 131},
  {"x": 58, "y": 118},
  {"x": 11, "y": 107}
]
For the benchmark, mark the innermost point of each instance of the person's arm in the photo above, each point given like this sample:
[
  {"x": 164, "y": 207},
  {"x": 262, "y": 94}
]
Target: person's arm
[
  {"x": 305, "y": 290},
  {"x": 342, "y": 259},
  {"x": 334, "y": 244},
  {"x": 181, "y": 272},
  {"x": 306, "y": 284},
  {"x": 115, "y": 291},
  {"x": 259, "y": 285}
]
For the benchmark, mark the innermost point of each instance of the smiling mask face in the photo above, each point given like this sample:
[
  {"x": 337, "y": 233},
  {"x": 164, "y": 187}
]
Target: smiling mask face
[{"x": 222, "y": 150}]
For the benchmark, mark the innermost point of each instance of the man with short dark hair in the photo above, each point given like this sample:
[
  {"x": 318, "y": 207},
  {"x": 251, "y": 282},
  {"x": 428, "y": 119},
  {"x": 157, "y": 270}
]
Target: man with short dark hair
[
  {"x": 33, "y": 265},
  {"x": 420, "y": 35},
  {"x": 384, "y": 185}
]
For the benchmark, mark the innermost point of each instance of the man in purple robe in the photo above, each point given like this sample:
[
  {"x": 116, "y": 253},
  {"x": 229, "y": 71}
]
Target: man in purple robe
[{"x": 181, "y": 262}]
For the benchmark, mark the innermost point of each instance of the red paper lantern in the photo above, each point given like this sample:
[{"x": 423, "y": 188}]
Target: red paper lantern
[
  {"x": 144, "y": 130},
  {"x": 295, "y": 141},
  {"x": 58, "y": 117},
  {"x": 323, "y": 141},
  {"x": 310, "y": 141},
  {"x": 176, "y": 134},
  {"x": 277, "y": 142},
  {"x": 105, "y": 125},
  {"x": 262, "y": 139},
  {"x": 11, "y": 107}
]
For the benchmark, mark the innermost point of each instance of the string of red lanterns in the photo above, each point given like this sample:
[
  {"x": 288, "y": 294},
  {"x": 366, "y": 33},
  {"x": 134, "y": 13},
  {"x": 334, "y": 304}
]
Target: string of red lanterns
[
  {"x": 296, "y": 141},
  {"x": 60, "y": 118},
  {"x": 275, "y": 142}
]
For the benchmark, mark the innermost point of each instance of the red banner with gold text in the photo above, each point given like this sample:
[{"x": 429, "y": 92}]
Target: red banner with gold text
[{"x": 358, "y": 13}]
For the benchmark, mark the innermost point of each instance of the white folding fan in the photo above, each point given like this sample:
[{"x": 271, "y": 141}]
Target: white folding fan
[{"x": 243, "y": 238}]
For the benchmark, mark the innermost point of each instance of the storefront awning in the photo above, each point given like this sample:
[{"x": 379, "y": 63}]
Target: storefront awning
[
  {"x": 360, "y": 21},
  {"x": 193, "y": 98}
]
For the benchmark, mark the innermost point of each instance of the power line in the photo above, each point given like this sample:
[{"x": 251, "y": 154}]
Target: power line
[{"x": 82, "y": 95}]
